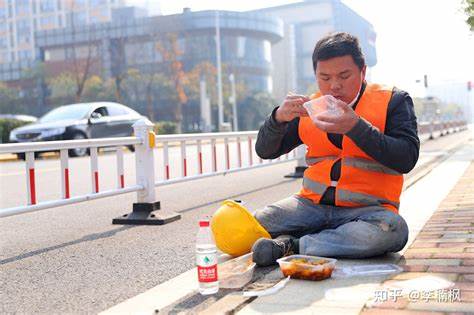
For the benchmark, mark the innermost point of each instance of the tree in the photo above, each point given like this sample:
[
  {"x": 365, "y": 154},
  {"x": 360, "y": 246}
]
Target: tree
[
  {"x": 63, "y": 88},
  {"x": 96, "y": 89},
  {"x": 81, "y": 64},
  {"x": 9, "y": 100},
  {"x": 469, "y": 10},
  {"x": 38, "y": 88},
  {"x": 253, "y": 110},
  {"x": 147, "y": 88},
  {"x": 170, "y": 52},
  {"x": 119, "y": 67}
]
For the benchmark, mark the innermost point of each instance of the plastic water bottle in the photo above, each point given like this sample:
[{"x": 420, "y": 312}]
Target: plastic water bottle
[{"x": 206, "y": 259}]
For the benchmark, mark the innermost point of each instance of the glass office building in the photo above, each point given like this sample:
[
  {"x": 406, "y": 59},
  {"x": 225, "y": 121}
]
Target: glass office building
[
  {"x": 246, "y": 40},
  {"x": 305, "y": 23},
  {"x": 20, "y": 19}
]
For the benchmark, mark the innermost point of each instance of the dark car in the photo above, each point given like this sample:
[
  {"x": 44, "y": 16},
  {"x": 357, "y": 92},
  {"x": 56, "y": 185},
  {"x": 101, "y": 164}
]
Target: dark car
[{"x": 79, "y": 121}]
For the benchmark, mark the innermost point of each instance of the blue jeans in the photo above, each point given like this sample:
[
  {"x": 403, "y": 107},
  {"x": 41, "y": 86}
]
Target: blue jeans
[{"x": 331, "y": 231}]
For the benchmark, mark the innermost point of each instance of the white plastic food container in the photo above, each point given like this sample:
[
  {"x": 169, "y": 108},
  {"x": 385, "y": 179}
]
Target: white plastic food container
[
  {"x": 307, "y": 267},
  {"x": 325, "y": 104},
  {"x": 236, "y": 273}
]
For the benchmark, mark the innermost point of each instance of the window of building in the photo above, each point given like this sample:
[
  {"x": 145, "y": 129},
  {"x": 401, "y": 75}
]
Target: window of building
[
  {"x": 267, "y": 50},
  {"x": 3, "y": 13},
  {"x": 55, "y": 54},
  {"x": 79, "y": 4},
  {"x": 47, "y": 5},
  {"x": 47, "y": 21},
  {"x": 97, "y": 16},
  {"x": 22, "y": 7},
  {"x": 3, "y": 27},
  {"x": 3, "y": 42},
  {"x": 23, "y": 31},
  {"x": 4, "y": 57},
  {"x": 80, "y": 52},
  {"x": 240, "y": 47},
  {"x": 140, "y": 53},
  {"x": 10, "y": 8},
  {"x": 25, "y": 55},
  {"x": 94, "y": 3},
  {"x": 76, "y": 19}
]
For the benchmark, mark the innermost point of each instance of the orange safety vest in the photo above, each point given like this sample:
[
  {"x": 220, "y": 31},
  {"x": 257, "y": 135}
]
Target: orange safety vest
[{"x": 363, "y": 180}]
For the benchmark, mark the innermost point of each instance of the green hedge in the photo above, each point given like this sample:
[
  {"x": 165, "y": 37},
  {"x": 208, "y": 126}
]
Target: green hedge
[
  {"x": 7, "y": 125},
  {"x": 165, "y": 127}
]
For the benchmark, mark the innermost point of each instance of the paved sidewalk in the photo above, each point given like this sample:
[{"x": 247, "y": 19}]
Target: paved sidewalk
[
  {"x": 353, "y": 295},
  {"x": 444, "y": 249}
]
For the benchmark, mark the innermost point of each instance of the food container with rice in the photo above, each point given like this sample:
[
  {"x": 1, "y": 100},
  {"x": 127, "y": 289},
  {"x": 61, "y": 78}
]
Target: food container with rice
[
  {"x": 307, "y": 267},
  {"x": 236, "y": 273}
]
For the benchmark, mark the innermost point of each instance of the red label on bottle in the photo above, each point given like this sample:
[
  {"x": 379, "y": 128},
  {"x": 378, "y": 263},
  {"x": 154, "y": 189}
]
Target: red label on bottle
[{"x": 207, "y": 274}]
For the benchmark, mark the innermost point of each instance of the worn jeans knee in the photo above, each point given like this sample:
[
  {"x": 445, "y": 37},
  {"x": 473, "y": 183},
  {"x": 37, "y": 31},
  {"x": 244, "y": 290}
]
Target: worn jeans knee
[
  {"x": 392, "y": 225},
  {"x": 370, "y": 234}
]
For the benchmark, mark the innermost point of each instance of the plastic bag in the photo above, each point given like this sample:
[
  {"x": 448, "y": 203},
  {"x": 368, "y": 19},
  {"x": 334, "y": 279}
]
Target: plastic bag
[
  {"x": 326, "y": 104},
  {"x": 265, "y": 290},
  {"x": 366, "y": 270}
]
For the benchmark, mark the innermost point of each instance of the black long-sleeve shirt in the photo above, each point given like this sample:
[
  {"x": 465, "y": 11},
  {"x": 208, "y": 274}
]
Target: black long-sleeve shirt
[{"x": 397, "y": 148}]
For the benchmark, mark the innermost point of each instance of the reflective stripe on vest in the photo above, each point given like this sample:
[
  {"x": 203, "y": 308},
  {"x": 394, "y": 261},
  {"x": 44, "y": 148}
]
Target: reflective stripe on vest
[
  {"x": 348, "y": 196},
  {"x": 368, "y": 165},
  {"x": 363, "y": 199},
  {"x": 313, "y": 160},
  {"x": 364, "y": 164},
  {"x": 315, "y": 187}
]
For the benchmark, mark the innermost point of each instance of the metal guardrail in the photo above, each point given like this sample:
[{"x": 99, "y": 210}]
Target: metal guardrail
[
  {"x": 444, "y": 127},
  {"x": 145, "y": 142}
]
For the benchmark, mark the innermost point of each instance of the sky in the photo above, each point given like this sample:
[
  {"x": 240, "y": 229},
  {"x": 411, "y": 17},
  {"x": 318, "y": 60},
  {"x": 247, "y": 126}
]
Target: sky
[{"x": 414, "y": 38}]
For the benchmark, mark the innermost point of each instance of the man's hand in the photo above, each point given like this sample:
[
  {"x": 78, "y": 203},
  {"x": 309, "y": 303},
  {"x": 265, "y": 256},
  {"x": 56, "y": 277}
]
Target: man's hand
[
  {"x": 341, "y": 123},
  {"x": 291, "y": 108}
]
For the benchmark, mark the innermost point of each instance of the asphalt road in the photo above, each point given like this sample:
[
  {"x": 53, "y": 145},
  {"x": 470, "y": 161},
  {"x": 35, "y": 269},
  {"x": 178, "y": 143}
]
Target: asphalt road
[{"x": 72, "y": 259}]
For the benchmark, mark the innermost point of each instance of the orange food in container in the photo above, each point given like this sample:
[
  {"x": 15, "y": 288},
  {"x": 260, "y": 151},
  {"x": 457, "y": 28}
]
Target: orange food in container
[{"x": 307, "y": 267}]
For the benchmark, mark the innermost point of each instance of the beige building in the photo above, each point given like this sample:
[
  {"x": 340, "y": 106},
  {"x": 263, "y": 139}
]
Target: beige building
[{"x": 19, "y": 19}]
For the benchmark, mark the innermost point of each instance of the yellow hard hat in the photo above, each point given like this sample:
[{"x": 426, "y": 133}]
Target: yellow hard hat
[{"x": 235, "y": 229}]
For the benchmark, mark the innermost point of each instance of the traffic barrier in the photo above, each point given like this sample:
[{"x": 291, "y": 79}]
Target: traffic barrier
[{"x": 145, "y": 142}]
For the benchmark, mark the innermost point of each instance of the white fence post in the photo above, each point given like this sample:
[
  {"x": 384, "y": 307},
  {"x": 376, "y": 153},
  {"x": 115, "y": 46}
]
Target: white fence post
[
  {"x": 301, "y": 165},
  {"x": 145, "y": 171}
]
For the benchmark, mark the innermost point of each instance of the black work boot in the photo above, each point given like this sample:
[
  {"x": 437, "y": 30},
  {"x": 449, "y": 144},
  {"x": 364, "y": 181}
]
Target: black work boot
[{"x": 267, "y": 251}]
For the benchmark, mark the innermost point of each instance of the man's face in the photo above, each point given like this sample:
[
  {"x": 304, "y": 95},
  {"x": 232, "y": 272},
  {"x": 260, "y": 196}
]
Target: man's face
[{"x": 339, "y": 77}]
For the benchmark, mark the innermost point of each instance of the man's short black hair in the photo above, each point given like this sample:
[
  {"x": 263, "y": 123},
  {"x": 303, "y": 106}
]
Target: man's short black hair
[{"x": 338, "y": 45}]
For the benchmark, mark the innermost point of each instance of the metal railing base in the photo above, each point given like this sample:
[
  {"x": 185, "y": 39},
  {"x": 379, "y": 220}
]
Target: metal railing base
[
  {"x": 143, "y": 214},
  {"x": 298, "y": 173}
]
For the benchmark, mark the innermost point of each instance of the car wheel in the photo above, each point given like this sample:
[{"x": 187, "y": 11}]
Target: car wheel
[
  {"x": 78, "y": 151},
  {"x": 22, "y": 156},
  {"x": 131, "y": 148}
]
